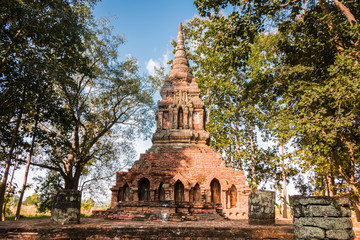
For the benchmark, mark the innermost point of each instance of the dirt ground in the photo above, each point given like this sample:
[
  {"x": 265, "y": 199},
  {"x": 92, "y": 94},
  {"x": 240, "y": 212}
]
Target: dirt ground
[
  {"x": 96, "y": 228},
  {"x": 36, "y": 226},
  {"x": 99, "y": 222}
]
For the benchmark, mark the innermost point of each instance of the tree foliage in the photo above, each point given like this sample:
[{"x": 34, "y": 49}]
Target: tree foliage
[
  {"x": 111, "y": 98},
  {"x": 32, "y": 34},
  {"x": 238, "y": 93},
  {"x": 316, "y": 85},
  {"x": 64, "y": 86}
]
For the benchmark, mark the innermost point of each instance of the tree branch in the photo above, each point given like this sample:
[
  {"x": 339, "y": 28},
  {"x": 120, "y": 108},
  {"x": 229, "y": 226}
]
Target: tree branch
[
  {"x": 94, "y": 179},
  {"x": 41, "y": 165},
  {"x": 349, "y": 16}
]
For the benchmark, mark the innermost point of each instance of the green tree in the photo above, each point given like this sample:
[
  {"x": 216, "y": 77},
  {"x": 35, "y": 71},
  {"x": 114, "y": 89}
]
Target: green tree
[
  {"x": 32, "y": 34},
  {"x": 88, "y": 204},
  {"x": 319, "y": 84},
  {"x": 111, "y": 99},
  {"x": 46, "y": 187},
  {"x": 236, "y": 89},
  {"x": 31, "y": 200}
]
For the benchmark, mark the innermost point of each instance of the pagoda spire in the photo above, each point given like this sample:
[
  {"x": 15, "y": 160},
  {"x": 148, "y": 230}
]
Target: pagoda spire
[
  {"x": 180, "y": 63},
  {"x": 181, "y": 113}
]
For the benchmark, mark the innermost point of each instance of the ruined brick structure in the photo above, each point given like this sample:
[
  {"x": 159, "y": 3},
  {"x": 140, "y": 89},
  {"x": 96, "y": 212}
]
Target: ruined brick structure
[{"x": 180, "y": 173}]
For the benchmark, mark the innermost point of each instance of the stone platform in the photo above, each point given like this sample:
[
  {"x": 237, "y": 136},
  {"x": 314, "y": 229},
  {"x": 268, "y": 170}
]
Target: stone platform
[
  {"x": 163, "y": 211},
  {"x": 113, "y": 229}
]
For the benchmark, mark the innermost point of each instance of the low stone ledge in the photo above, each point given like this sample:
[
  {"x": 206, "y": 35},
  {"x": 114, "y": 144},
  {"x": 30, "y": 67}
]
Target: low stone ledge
[
  {"x": 321, "y": 211},
  {"x": 340, "y": 234},
  {"x": 306, "y": 232},
  {"x": 328, "y": 223},
  {"x": 319, "y": 200},
  {"x": 318, "y": 217}
]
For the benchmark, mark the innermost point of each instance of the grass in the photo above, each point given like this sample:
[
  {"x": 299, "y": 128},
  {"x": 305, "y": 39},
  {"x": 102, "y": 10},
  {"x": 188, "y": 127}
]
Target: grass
[
  {"x": 28, "y": 212},
  {"x": 31, "y": 212}
]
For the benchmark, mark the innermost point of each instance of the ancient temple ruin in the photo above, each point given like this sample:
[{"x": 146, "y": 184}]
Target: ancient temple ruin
[{"x": 180, "y": 177}]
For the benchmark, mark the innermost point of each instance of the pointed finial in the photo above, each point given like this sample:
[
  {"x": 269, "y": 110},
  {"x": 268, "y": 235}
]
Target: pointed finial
[
  {"x": 180, "y": 38},
  {"x": 180, "y": 63}
]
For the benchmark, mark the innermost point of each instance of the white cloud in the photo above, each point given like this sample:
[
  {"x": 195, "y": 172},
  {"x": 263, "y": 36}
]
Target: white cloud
[
  {"x": 151, "y": 65},
  {"x": 160, "y": 62},
  {"x": 165, "y": 59}
]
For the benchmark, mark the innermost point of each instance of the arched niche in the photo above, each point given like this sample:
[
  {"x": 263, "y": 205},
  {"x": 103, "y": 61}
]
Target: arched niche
[
  {"x": 124, "y": 193},
  {"x": 180, "y": 118},
  {"x": 197, "y": 193},
  {"x": 120, "y": 194},
  {"x": 144, "y": 189},
  {"x": 165, "y": 120},
  {"x": 179, "y": 191},
  {"x": 161, "y": 192},
  {"x": 215, "y": 189},
  {"x": 233, "y": 196},
  {"x": 189, "y": 120}
]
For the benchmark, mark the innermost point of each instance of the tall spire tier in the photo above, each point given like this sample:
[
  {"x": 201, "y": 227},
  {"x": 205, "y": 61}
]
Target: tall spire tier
[
  {"x": 181, "y": 114},
  {"x": 180, "y": 70}
]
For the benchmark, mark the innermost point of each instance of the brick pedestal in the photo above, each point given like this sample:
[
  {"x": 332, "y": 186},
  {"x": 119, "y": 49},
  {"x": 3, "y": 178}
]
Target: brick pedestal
[
  {"x": 322, "y": 218},
  {"x": 66, "y": 207},
  {"x": 164, "y": 211},
  {"x": 262, "y": 207}
]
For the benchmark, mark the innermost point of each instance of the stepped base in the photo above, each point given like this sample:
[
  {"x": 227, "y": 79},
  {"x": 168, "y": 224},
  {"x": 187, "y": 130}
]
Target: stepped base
[{"x": 164, "y": 211}]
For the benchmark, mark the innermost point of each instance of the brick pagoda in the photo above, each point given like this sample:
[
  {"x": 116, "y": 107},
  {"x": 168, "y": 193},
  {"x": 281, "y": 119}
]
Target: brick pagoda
[{"x": 180, "y": 177}]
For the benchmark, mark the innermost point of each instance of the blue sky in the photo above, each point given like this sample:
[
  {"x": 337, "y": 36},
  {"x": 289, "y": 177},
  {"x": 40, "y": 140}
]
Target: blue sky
[{"x": 147, "y": 25}]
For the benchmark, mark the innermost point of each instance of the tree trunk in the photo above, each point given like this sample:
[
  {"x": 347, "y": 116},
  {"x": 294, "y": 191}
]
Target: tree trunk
[
  {"x": 346, "y": 11},
  {"x": 17, "y": 216},
  {"x": 10, "y": 189},
  {"x": 332, "y": 184},
  {"x": 326, "y": 184},
  {"x": 10, "y": 155},
  {"x": 209, "y": 108},
  {"x": 252, "y": 144},
  {"x": 281, "y": 202},
  {"x": 284, "y": 182},
  {"x": 72, "y": 182},
  {"x": 356, "y": 205},
  {"x": 237, "y": 145},
  {"x": 329, "y": 183},
  {"x": 69, "y": 183}
]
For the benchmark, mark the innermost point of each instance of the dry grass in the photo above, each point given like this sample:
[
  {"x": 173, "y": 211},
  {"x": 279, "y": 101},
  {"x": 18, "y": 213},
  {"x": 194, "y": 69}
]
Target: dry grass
[{"x": 31, "y": 211}]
